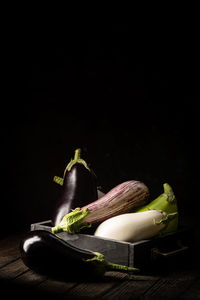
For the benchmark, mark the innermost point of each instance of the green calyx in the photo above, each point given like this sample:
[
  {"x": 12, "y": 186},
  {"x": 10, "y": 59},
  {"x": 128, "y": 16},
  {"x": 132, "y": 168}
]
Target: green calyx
[
  {"x": 77, "y": 159},
  {"x": 169, "y": 220},
  {"x": 166, "y": 218},
  {"x": 58, "y": 180},
  {"x": 102, "y": 265},
  {"x": 72, "y": 222},
  {"x": 166, "y": 203}
]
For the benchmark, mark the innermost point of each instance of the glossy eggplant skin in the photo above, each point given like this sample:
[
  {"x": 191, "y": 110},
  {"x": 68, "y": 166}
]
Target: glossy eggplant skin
[
  {"x": 79, "y": 188},
  {"x": 47, "y": 254}
]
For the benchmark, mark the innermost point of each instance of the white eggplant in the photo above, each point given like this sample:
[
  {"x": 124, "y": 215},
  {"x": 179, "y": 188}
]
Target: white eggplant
[{"x": 133, "y": 227}]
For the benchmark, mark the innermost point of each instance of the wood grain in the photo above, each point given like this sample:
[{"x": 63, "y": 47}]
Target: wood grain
[
  {"x": 193, "y": 291},
  {"x": 55, "y": 287},
  {"x": 17, "y": 279},
  {"x": 29, "y": 279},
  {"x": 13, "y": 269},
  {"x": 9, "y": 249}
]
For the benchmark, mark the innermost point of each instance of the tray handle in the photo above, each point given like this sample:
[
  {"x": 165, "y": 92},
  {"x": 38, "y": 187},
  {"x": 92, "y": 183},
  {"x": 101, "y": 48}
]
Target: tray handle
[{"x": 157, "y": 253}]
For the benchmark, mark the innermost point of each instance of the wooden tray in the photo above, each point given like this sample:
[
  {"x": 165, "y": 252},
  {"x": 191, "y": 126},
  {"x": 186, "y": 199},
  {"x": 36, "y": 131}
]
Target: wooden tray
[{"x": 167, "y": 248}]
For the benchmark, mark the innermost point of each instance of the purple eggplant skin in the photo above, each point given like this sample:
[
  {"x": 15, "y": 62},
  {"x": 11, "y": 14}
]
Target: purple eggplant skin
[
  {"x": 47, "y": 254},
  {"x": 79, "y": 188}
]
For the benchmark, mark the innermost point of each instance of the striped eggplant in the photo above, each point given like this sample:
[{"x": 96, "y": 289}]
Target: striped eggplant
[{"x": 125, "y": 197}]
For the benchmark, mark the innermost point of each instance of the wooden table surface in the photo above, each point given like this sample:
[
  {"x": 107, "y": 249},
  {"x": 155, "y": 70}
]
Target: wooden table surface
[{"x": 182, "y": 282}]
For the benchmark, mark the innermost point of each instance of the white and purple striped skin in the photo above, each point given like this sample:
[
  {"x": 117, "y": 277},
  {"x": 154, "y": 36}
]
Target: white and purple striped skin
[{"x": 123, "y": 198}]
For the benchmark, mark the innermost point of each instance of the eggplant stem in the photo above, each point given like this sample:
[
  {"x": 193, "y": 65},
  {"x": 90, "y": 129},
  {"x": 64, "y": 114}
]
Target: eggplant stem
[
  {"x": 120, "y": 268},
  {"x": 160, "y": 202},
  {"x": 72, "y": 222},
  {"x": 77, "y": 154},
  {"x": 166, "y": 218},
  {"x": 77, "y": 159},
  {"x": 100, "y": 261},
  {"x": 169, "y": 192}
]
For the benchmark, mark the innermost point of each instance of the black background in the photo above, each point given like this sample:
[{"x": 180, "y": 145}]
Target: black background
[{"x": 127, "y": 97}]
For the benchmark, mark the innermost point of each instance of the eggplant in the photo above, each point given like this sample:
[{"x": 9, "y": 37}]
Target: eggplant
[
  {"x": 79, "y": 187},
  {"x": 48, "y": 254},
  {"x": 124, "y": 198}
]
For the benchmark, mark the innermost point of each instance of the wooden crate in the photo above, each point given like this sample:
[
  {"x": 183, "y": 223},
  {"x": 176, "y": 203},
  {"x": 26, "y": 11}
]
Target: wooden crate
[{"x": 158, "y": 251}]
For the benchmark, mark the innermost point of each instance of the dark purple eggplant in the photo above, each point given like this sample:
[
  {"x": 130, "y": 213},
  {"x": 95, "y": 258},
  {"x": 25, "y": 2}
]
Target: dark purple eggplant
[
  {"x": 79, "y": 187},
  {"x": 48, "y": 254}
]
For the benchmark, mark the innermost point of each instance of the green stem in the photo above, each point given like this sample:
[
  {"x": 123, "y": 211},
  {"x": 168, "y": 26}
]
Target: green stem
[
  {"x": 77, "y": 154},
  {"x": 166, "y": 218},
  {"x": 100, "y": 261},
  {"x": 120, "y": 268},
  {"x": 77, "y": 159},
  {"x": 165, "y": 202},
  {"x": 72, "y": 222},
  {"x": 169, "y": 192}
]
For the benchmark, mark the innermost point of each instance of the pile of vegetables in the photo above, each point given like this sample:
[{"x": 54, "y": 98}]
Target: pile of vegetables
[
  {"x": 157, "y": 217},
  {"x": 125, "y": 213}
]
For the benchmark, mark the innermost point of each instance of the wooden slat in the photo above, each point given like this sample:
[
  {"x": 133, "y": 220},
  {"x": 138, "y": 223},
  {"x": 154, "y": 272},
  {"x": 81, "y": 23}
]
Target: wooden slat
[
  {"x": 29, "y": 279},
  {"x": 11, "y": 241},
  {"x": 171, "y": 288},
  {"x": 114, "y": 275},
  {"x": 90, "y": 289},
  {"x": 55, "y": 287},
  {"x": 193, "y": 292},
  {"x": 144, "y": 277},
  {"x": 13, "y": 269},
  {"x": 85, "y": 289},
  {"x": 10, "y": 256},
  {"x": 128, "y": 289},
  {"x": 9, "y": 249}
]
